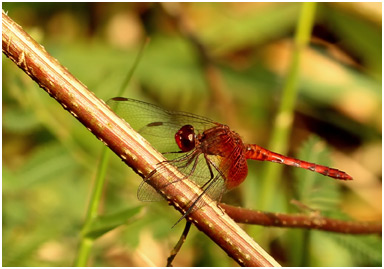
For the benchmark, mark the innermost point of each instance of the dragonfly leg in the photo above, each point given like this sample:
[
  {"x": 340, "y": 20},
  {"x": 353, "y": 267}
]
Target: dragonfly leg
[
  {"x": 181, "y": 241},
  {"x": 193, "y": 157},
  {"x": 208, "y": 162},
  {"x": 207, "y": 185}
]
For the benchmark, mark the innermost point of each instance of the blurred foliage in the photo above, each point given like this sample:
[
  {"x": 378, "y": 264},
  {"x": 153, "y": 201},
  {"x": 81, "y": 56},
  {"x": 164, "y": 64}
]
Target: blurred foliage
[
  {"x": 49, "y": 159},
  {"x": 312, "y": 189}
]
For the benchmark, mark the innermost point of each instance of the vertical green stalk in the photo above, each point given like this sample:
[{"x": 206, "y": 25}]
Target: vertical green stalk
[
  {"x": 86, "y": 242},
  {"x": 284, "y": 117}
]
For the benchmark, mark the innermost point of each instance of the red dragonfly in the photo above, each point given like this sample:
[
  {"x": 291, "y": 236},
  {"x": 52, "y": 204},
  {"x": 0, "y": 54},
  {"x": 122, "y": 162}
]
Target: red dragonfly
[{"x": 205, "y": 151}]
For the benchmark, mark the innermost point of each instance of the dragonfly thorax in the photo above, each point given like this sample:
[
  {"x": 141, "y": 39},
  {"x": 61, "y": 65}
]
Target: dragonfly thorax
[{"x": 221, "y": 141}]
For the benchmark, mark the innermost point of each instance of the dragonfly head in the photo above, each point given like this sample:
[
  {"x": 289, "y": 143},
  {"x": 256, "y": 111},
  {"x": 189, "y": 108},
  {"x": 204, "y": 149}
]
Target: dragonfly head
[{"x": 185, "y": 138}]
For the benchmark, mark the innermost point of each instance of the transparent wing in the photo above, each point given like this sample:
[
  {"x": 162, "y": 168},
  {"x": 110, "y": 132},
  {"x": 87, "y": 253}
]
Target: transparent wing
[
  {"x": 155, "y": 124},
  {"x": 196, "y": 168},
  {"x": 146, "y": 193}
]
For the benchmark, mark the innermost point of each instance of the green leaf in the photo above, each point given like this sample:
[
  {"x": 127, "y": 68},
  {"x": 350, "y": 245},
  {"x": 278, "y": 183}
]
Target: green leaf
[
  {"x": 365, "y": 249},
  {"x": 241, "y": 29},
  {"x": 47, "y": 163},
  {"x": 20, "y": 121},
  {"x": 359, "y": 35},
  {"x": 104, "y": 224},
  {"x": 313, "y": 189}
]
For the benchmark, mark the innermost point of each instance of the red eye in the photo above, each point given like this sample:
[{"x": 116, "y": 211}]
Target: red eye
[{"x": 185, "y": 138}]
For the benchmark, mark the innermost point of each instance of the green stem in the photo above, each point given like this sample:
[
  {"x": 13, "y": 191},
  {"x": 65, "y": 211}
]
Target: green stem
[
  {"x": 284, "y": 118},
  {"x": 83, "y": 252},
  {"x": 86, "y": 242},
  {"x": 134, "y": 67}
]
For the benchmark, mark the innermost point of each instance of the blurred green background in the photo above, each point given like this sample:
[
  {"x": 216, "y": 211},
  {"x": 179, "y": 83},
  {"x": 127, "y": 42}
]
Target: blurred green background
[{"x": 50, "y": 159}]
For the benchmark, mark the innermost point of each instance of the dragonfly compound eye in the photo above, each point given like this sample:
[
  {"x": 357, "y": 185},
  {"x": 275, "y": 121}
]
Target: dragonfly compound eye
[{"x": 185, "y": 138}]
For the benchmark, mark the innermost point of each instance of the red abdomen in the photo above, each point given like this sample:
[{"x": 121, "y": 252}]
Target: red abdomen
[{"x": 256, "y": 152}]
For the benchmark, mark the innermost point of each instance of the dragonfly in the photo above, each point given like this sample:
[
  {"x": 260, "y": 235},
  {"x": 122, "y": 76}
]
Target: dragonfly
[{"x": 207, "y": 152}]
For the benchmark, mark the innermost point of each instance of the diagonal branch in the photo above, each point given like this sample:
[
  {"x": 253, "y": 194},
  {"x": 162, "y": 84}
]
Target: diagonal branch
[{"x": 93, "y": 113}]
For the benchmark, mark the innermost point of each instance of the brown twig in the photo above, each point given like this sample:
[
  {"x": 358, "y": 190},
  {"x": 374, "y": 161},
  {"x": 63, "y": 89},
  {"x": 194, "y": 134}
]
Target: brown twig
[
  {"x": 93, "y": 113},
  {"x": 316, "y": 221}
]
